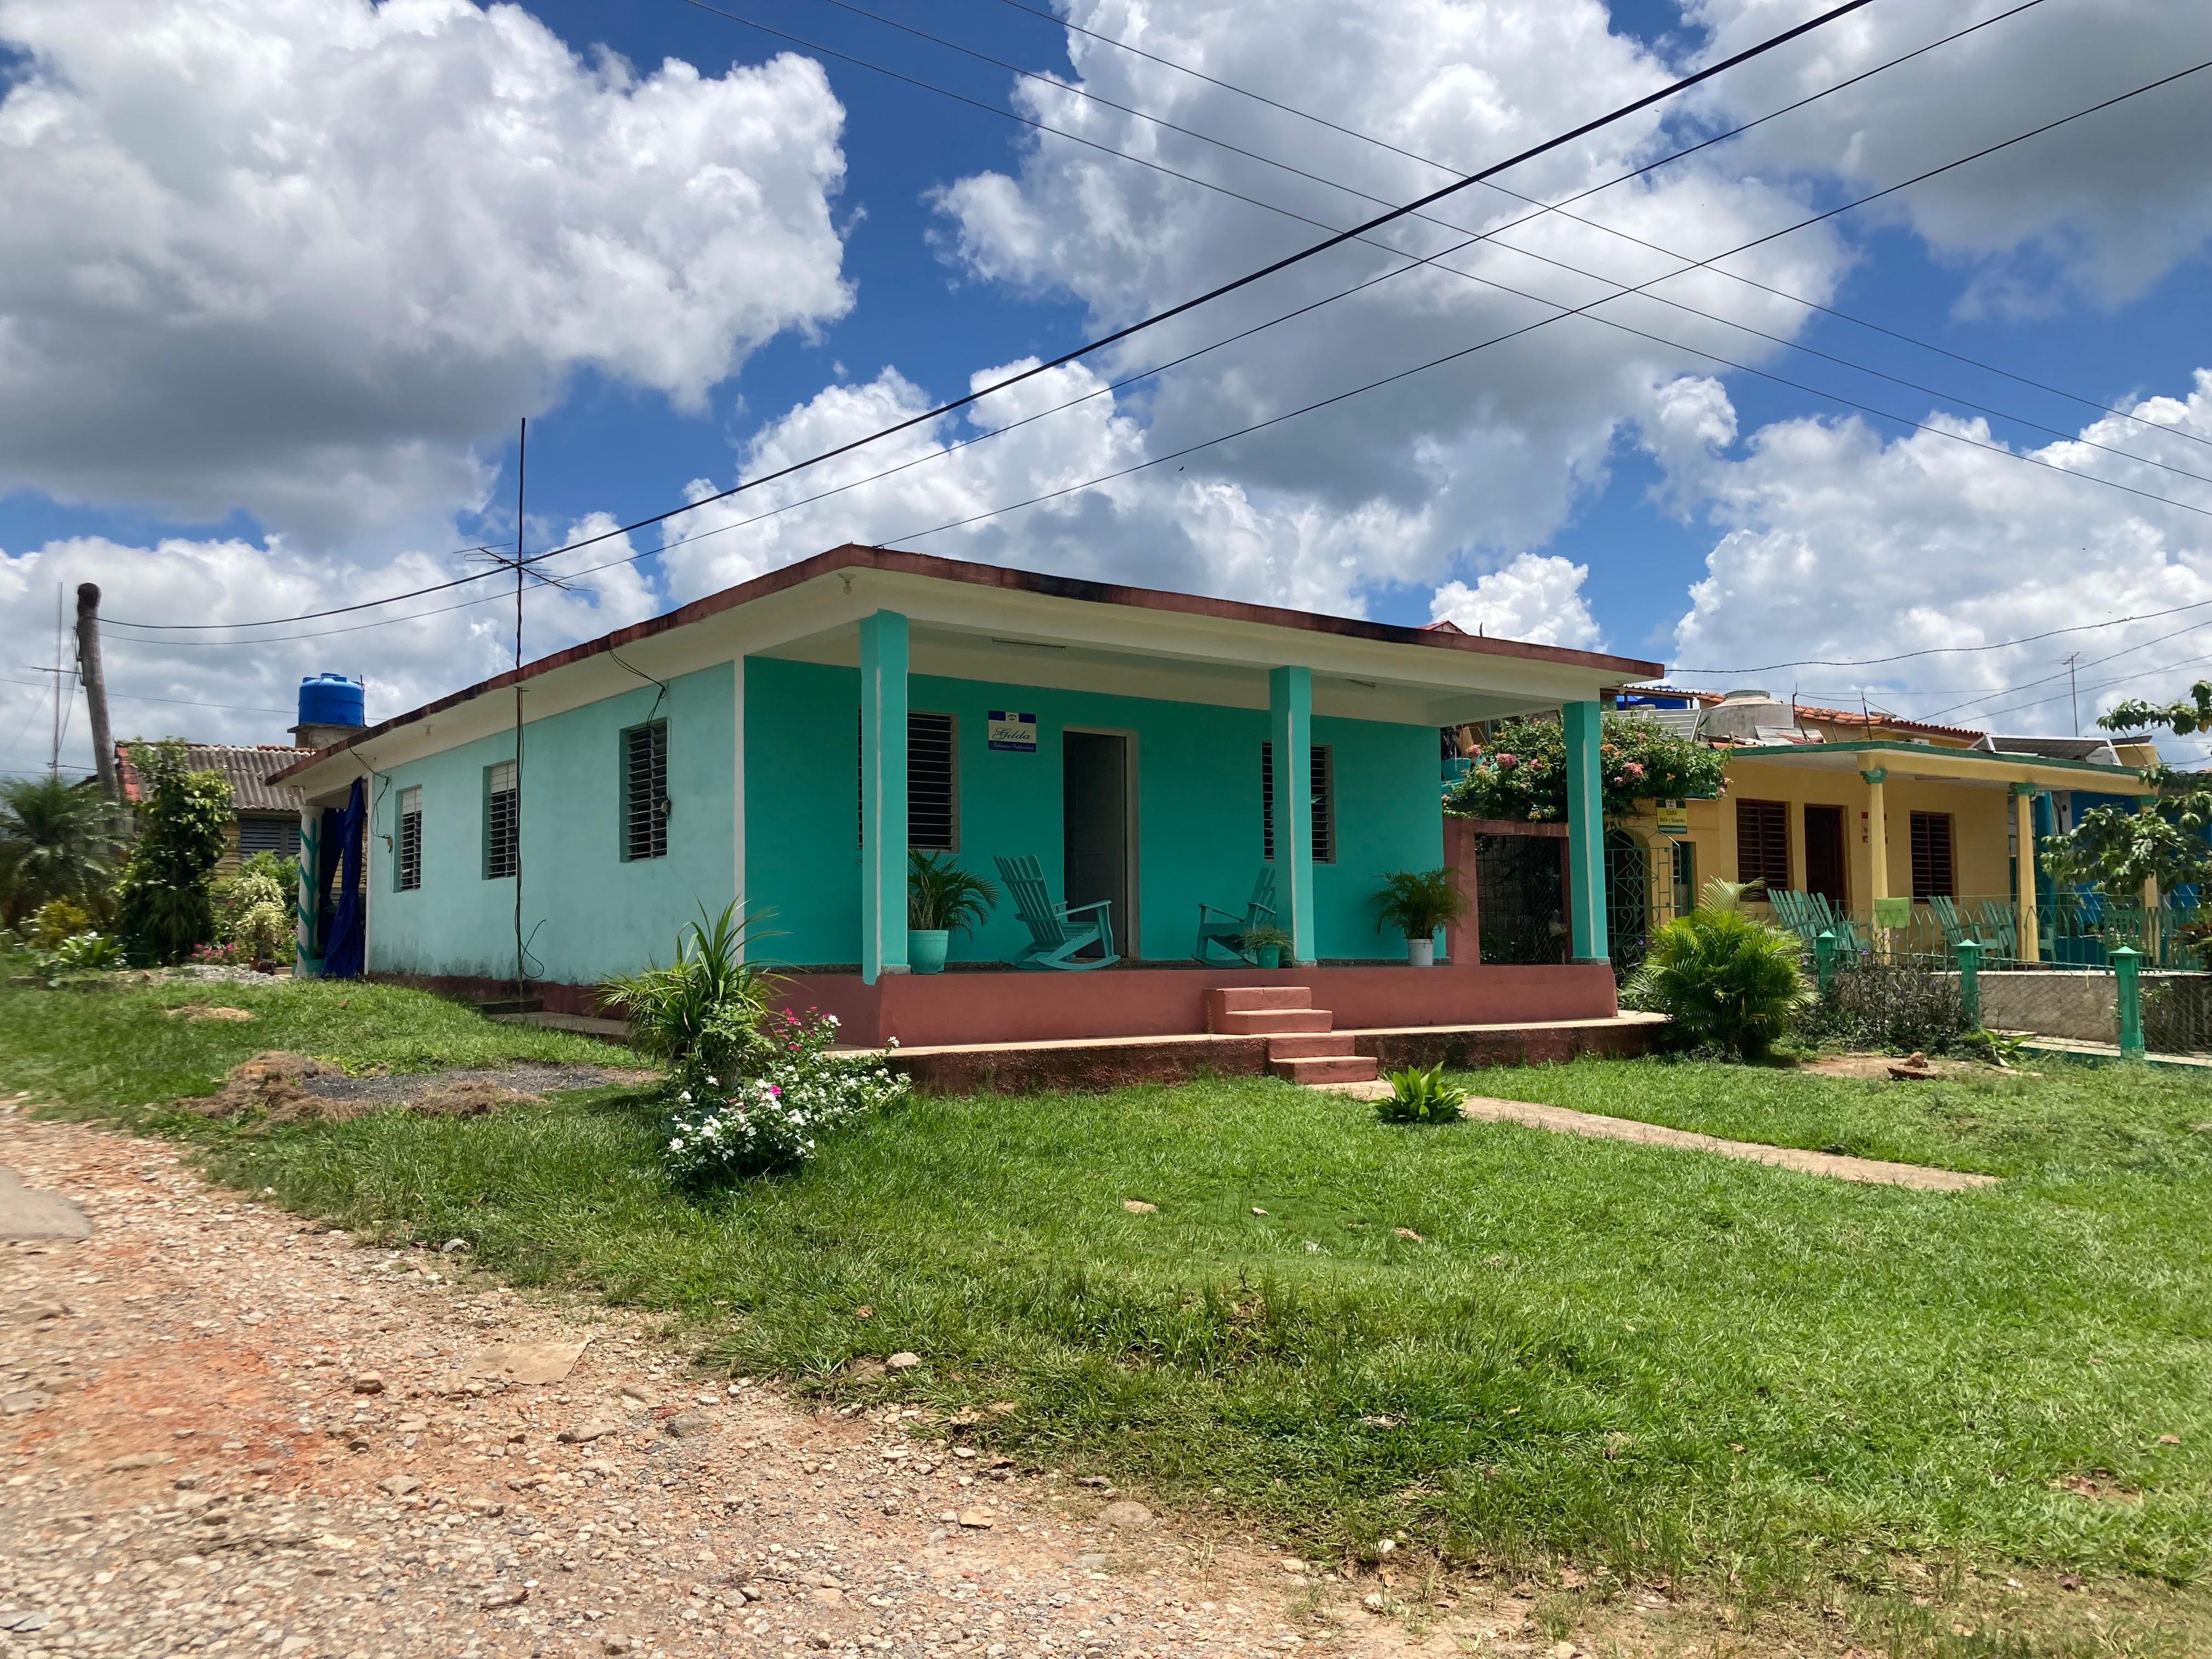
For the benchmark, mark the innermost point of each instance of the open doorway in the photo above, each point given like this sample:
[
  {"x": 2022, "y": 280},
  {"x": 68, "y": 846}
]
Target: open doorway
[
  {"x": 1095, "y": 798},
  {"x": 1824, "y": 855}
]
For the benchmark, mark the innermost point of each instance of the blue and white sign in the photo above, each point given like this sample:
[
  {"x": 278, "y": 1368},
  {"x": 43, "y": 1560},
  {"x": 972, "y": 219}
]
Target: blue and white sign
[{"x": 1014, "y": 732}]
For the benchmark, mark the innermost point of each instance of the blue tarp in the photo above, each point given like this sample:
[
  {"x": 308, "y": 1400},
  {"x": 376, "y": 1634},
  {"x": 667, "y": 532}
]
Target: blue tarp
[{"x": 341, "y": 954}]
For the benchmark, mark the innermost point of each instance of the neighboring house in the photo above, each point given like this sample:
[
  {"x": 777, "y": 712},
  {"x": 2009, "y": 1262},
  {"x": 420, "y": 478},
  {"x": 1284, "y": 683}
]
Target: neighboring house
[
  {"x": 1857, "y": 807},
  {"x": 265, "y": 817},
  {"x": 785, "y": 742}
]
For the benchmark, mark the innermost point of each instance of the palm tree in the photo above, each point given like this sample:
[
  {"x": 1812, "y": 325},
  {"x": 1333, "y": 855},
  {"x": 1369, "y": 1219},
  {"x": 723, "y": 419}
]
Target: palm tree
[{"x": 58, "y": 840}]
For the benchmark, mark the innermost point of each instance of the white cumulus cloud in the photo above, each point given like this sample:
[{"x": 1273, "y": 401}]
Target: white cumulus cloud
[
  {"x": 298, "y": 257},
  {"x": 1538, "y": 597},
  {"x": 1838, "y": 542}
]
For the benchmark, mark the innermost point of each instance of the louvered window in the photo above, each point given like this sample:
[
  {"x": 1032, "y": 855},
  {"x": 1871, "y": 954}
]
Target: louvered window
[
  {"x": 502, "y": 821},
  {"x": 931, "y": 821},
  {"x": 1324, "y": 803},
  {"x": 409, "y": 847},
  {"x": 644, "y": 804},
  {"x": 277, "y": 835},
  {"x": 1762, "y": 844},
  {"x": 1931, "y": 855}
]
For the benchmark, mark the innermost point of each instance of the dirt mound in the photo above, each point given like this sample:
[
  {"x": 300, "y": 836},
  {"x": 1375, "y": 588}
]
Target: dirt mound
[
  {"x": 267, "y": 1087},
  {"x": 198, "y": 1011},
  {"x": 469, "y": 1098}
]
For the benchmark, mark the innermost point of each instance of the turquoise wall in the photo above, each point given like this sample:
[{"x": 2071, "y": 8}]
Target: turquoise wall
[
  {"x": 1198, "y": 810},
  {"x": 586, "y": 913}
]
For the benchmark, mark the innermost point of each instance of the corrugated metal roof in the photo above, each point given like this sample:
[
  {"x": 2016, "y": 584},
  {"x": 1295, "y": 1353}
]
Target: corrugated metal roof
[{"x": 248, "y": 766}]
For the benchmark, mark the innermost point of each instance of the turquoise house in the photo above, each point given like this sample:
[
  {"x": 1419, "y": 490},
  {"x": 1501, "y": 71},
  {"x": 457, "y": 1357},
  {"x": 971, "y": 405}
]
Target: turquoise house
[{"x": 785, "y": 742}]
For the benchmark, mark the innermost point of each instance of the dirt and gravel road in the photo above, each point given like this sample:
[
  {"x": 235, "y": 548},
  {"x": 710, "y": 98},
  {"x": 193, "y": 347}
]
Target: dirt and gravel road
[{"x": 229, "y": 1431}]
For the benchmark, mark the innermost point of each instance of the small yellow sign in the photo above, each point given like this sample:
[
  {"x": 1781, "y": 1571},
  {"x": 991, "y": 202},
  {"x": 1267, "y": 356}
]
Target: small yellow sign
[{"x": 1673, "y": 817}]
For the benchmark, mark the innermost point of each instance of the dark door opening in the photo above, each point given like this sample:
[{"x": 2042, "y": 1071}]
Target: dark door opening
[
  {"x": 1095, "y": 804},
  {"x": 1824, "y": 855}
]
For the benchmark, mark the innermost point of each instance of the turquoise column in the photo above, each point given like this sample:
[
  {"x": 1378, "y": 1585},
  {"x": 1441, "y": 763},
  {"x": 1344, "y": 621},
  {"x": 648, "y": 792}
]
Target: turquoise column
[
  {"x": 1585, "y": 725},
  {"x": 882, "y": 795},
  {"x": 1290, "y": 724}
]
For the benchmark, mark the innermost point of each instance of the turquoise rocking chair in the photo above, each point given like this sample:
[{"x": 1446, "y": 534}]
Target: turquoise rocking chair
[
  {"x": 1224, "y": 931},
  {"x": 1056, "y": 932}
]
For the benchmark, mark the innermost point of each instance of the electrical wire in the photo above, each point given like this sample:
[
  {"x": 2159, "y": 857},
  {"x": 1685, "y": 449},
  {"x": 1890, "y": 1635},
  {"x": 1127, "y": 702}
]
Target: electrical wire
[
  {"x": 1563, "y": 312},
  {"x": 1493, "y": 235},
  {"x": 193, "y": 702},
  {"x": 1127, "y": 331},
  {"x": 1559, "y": 207}
]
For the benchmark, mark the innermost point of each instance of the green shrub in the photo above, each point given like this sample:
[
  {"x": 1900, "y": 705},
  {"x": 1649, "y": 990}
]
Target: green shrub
[
  {"x": 254, "y": 907},
  {"x": 940, "y": 894},
  {"x": 1725, "y": 978},
  {"x": 701, "y": 1013},
  {"x": 1418, "y": 902},
  {"x": 57, "y": 920},
  {"x": 1420, "y": 1096},
  {"x": 1893, "y": 1006},
  {"x": 163, "y": 898}
]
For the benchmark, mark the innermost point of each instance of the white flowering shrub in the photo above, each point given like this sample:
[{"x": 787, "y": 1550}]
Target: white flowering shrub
[{"x": 727, "y": 1126}]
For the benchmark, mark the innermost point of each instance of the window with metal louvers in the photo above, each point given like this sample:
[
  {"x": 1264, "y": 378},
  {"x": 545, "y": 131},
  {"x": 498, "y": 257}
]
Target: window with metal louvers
[{"x": 645, "y": 805}]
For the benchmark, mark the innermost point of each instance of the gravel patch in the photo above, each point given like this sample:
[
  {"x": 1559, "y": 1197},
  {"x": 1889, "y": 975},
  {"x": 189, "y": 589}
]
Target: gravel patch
[
  {"x": 231, "y": 1433},
  {"x": 523, "y": 1077}
]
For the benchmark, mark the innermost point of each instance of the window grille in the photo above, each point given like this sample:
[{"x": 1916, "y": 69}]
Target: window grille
[
  {"x": 502, "y": 821},
  {"x": 1762, "y": 844},
  {"x": 1324, "y": 803},
  {"x": 645, "y": 805},
  {"x": 409, "y": 847},
  {"x": 1931, "y": 855},
  {"x": 277, "y": 835},
  {"x": 932, "y": 792}
]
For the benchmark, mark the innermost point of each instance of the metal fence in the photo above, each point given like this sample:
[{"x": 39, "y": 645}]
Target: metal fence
[{"x": 2070, "y": 930}]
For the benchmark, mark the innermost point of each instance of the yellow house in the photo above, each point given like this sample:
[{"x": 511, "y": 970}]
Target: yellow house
[{"x": 1860, "y": 807}]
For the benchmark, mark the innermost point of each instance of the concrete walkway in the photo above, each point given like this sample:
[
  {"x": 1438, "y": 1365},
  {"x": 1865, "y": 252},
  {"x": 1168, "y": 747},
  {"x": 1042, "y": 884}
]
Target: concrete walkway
[{"x": 1560, "y": 1121}]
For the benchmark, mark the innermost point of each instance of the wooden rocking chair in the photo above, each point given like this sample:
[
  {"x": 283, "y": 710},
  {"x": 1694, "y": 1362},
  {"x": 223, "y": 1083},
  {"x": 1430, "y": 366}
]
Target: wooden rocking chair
[
  {"x": 1056, "y": 932},
  {"x": 1225, "y": 930}
]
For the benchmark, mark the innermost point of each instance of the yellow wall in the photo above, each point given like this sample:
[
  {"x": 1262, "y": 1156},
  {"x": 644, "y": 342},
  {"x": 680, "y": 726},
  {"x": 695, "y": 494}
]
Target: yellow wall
[{"x": 1980, "y": 823}]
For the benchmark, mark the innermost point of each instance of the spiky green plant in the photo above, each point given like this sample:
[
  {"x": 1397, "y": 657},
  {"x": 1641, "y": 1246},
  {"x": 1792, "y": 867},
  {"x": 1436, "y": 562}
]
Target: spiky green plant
[
  {"x": 1418, "y": 902},
  {"x": 940, "y": 894},
  {"x": 704, "y": 1008},
  {"x": 1421, "y": 1096},
  {"x": 1723, "y": 976}
]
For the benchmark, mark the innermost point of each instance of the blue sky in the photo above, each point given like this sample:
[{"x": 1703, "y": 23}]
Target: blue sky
[{"x": 245, "y": 420}]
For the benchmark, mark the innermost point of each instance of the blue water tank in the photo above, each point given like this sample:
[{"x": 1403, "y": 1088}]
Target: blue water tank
[{"x": 330, "y": 700}]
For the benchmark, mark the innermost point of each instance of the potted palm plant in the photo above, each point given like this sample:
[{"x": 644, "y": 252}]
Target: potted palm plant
[
  {"x": 1266, "y": 943},
  {"x": 1417, "y": 903},
  {"x": 941, "y": 899}
]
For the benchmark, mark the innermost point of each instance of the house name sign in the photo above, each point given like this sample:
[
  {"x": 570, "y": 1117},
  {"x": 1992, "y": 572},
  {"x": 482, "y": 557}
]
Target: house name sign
[{"x": 1014, "y": 732}]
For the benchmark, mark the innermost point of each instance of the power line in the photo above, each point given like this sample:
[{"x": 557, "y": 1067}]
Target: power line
[
  {"x": 1493, "y": 235},
  {"x": 1450, "y": 357},
  {"x": 1127, "y": 330},
  {"x": 1558, "y": 206},
  {"x": 1946, "y": 650},
  {"x": 194, "y": 702}
]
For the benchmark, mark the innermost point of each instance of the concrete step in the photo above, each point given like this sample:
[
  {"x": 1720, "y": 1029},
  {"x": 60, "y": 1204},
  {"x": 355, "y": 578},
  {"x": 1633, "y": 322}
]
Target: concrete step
[
  {"x": 1325, "y": 1068},
  {"x": 1270, "y": 1022},
  {"x": 1313, "y": 1045},
  {"x": 1252, "y": 998}
]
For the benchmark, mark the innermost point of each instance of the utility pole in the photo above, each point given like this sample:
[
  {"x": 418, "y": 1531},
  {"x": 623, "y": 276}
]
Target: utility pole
[
  {"x": 2073, "y": 699},
  {"x": 54, "y": 762},
  {"x": 96, "y": 688}
]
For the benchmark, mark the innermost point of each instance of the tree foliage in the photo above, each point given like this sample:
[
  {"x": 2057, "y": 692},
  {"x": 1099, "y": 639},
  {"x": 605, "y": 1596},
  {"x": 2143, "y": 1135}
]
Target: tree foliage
[
  {"x": 2117, "y": 850},
  {"x": 165, "y": 907},
  {"x": 58, "y": 841},
  {"x": 1521, "y": 773},
  {"x": 2194, "y": 715}
]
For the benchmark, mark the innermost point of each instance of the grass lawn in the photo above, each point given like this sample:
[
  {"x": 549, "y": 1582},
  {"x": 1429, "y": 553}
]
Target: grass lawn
[{"x": 1664, "y": 1364}]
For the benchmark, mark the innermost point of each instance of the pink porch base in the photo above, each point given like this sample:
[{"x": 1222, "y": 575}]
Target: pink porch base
[{"x": 936, "y": 1009}]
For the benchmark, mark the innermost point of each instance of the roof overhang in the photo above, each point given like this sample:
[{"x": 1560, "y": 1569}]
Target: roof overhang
[
  {"x": 1971, "y": 766},
  {"x": 986, "y": 622}
]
